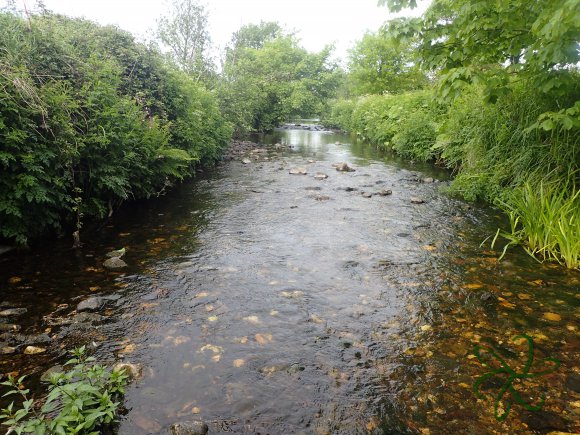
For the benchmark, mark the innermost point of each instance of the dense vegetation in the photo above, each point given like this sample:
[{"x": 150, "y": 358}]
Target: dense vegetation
[
  {"x": 268, "y": 78},
  {"x": 503, "y": 110},
  {"x": 90, "y": 118}
]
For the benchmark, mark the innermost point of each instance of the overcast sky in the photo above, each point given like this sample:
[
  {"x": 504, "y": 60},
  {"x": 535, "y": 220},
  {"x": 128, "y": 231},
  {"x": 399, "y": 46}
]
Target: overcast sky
[{"x": 317, "y": 22}]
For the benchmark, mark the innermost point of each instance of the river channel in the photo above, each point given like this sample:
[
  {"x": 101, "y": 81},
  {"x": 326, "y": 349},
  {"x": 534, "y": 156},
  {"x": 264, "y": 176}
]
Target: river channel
[{"x": 265, "y": 302}]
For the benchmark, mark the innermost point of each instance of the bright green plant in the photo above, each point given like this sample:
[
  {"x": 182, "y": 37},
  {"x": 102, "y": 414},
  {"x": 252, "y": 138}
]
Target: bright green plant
[
  {"x": 81, "y": 400},
  {"x": 545, "y": 220}
]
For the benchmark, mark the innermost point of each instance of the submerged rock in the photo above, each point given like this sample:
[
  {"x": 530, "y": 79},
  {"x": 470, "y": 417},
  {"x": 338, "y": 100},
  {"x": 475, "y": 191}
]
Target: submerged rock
[
  {"x": 91, "y": 304},
  {"x": 51, "y": 371},
  {"x": 189, "y": 428},
  {"x": 33, "y": 350},
  {"x": 13, "y": 312},
  {"x": 298, "y": 171},
  {"x": 134, "y": 371},
  {"x": 114, "y": 263},
  {"x": 9, "y": 327},
  {"x": 117, "y": 253},
  {"x": 343, "y": 167}
]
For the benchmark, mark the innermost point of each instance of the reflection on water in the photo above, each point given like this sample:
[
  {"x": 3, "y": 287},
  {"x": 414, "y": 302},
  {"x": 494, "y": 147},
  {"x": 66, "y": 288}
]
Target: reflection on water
[{"x": 264, "y": 302}]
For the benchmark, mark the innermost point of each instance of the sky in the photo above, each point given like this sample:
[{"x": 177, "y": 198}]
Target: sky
[{"x": 317, "y": 22}]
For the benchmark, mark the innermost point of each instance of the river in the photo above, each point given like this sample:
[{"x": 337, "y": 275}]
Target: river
[{"x": 264, "y": 302}]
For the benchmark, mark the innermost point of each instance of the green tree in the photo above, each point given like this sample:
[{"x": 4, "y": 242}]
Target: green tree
[
  {"x": 379, "y": 64},
  {"x": 265, "y": 86},
  {"x": 185, "y": 32},
  {"x": 491, "y": 42}
]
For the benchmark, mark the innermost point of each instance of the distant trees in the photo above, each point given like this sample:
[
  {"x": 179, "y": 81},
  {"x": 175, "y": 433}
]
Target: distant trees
[
  {"x": 185, "y": 32},
  {"x": 268, "y": 78}
]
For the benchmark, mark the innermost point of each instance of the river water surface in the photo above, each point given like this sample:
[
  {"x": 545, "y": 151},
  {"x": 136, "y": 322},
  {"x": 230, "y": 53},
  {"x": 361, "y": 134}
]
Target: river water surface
[{"x": 264, "y": 302}]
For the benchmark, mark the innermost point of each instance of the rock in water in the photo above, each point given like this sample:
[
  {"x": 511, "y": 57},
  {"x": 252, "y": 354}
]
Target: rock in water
[
  {"x": 134, "y": 371},
  {"x": 33, "y": 350},
  {"x": 246, "y": 161},
  {"x": 385, "y": 192},
  {"x": 114, "y": 263},
  {"x": 189, "y": 428},
  {"x": 90, "y": 304},
  {"x": 320, "y": 176},
  {"x": 51, "y": 371},
  {"x": 118, "y": 253},
  {"x": 415, "y": 200},
  {"x": 298, "y": 171},
  {"x": 343, "y": 167},
  {"x": 366, "y": 194},
  {"x": 11, "y": 312}
]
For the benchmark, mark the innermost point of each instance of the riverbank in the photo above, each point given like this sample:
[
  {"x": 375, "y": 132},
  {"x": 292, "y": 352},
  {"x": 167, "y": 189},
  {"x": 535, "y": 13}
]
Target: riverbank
[{"x": 495, "y": 153}]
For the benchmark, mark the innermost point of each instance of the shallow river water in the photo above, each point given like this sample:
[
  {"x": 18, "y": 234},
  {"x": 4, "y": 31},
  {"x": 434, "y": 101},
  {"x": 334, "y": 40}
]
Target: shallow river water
[{"x": 264, "y": 302}]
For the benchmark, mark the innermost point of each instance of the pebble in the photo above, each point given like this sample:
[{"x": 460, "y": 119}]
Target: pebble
[
  {"x": 33, "y": 350},
  {"x": 11, "y": 312},
  {"x": 189, "y": 428}
]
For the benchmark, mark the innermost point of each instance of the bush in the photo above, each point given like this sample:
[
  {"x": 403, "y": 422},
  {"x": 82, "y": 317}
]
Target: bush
[
  {"x": 80, "y": 400},
  {"x": 89, "y": 119}
]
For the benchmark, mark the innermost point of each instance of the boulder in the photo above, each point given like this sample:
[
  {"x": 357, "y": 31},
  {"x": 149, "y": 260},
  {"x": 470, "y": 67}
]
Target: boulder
[
  {"x": 320, "y": 176},
  {"x": 114, "y": 263},
  {"x": 246, "y": 161},
  {"x": 189, "y": 428},
  {"x": 385, "y": 192},
  {"x": 415, "y": 200}
]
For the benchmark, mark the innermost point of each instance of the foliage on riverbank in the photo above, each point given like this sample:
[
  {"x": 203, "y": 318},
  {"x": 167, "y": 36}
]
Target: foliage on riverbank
[
  {"x": 82, "y": 399},
  {"x": 504, "y": 117},
  {"x": 90, "y": 118}
]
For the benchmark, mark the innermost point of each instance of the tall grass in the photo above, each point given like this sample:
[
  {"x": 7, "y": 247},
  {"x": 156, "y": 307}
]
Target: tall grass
[{"x": 545, "y": 220}]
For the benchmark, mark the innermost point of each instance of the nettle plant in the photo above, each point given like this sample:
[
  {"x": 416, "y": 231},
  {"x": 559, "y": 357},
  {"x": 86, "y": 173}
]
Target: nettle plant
[{"x": 81, "y": 400}]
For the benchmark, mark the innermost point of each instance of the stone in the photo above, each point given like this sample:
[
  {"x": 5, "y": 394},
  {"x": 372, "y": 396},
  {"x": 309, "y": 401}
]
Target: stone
[
  {"x": 350, "y": 189},
  {"x": 9, "y": 327},
  {"x": 134, "y": 371},
  {"x": 428, "y": 180},
  {"x": 7, "y": 350},
  {"x": 117, "y": 253},
  {"x": 366, "y": 194},
  {"x": 89, "y": 318},
  {"x": 246, "y": 161},
  {"x": 189, "y": 428},
  {"x": 415, "y": 200},
  {"x": 385, "y": 192},
  {"x": 13, "y": 312},
  {"x": 298, "y": 171},
  {"x": 114, "y": 263},
  {"x": 573, "y": 382},
  {"x": 343, "y": 167},
  {"x": 91, "y": 304},
  {"x": 51, "y": 371},
  {"x": 320, "y": 176},
  {"x": 33, "y": 350},
  {"x": 38, "y": 339},
  {"x": 544, "y": 421}
]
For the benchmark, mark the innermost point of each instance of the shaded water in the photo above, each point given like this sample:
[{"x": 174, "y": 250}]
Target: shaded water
[{"x": 264, "y": 302}]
